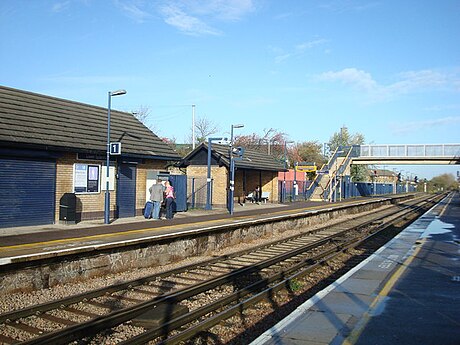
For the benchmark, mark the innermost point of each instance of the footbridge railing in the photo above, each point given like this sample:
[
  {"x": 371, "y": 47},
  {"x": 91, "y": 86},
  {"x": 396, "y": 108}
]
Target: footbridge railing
[{"x": 411, "y": 151}]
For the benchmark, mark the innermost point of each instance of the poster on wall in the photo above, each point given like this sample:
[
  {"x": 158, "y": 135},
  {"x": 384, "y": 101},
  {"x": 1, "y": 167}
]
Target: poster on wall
[
  {"x": 80, "y": 178},
  {"x": 86, "y": 178},
  {"x": 93, "y": 179}
]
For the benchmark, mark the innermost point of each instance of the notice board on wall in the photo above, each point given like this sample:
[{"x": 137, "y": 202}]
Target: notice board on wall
[{"x": 86, "y": 178}]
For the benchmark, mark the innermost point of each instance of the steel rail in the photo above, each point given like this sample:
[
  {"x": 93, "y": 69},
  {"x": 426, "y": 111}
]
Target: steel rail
[
  {"x": 115, "y": 318},
  {"x": 59, "y": 304},
  {"x": 47, "y": 306},
  {"x": 303, "y": 268},
  {"x": 99, "y": 324}
]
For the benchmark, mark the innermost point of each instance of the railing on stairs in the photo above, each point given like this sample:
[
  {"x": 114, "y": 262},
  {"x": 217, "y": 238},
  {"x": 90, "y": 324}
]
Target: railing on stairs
[
  {"x": 350, "y": 152},
  {"x": 317, "y": 182}
]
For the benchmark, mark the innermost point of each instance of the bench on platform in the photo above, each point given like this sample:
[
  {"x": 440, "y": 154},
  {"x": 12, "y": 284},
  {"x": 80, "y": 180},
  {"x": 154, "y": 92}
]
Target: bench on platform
[
  {"x": 265, "y": 197},
  {"x": 250, "y": 197}
]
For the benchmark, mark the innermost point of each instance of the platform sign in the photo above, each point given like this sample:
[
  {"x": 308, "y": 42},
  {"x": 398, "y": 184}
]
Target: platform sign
[
  {"x": 238, "y": 152},
  {"x": 306, "y": 167},
  {"x": 115, "y": 148}
]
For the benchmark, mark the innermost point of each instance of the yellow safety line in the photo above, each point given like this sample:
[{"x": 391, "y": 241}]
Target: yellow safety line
[
  {"x": 131, "y": 232},
  {"x": 92, "y": 237},
  {"x": 445, "y": 206},
  {"x": 357, "y": 331}
]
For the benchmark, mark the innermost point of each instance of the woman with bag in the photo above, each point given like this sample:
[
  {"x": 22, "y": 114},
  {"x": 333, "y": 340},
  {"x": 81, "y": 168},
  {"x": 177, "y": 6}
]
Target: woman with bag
[{"x": 169, "y": 197}]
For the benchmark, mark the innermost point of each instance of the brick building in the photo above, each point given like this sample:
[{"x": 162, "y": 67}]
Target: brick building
[
  {"x": 255, "y": 169},
  {"x": 382, "y": 176},
  {"x": 50, "y": 146}
]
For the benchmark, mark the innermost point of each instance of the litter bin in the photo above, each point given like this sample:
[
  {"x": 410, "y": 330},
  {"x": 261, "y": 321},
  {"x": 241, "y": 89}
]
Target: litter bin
[{"x": 68, "y": 208}]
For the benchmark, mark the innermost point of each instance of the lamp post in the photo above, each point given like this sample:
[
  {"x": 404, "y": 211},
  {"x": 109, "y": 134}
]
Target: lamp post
[
  {"x": 395, "y": 181},
  {"x": 375, "y": 184},
  {"x": 405, "y": 178},
  {"x": 283, "y": 192},
  {"x": 107, "y": 193},
  {"x": 269, "y": 142},
  {"x": 193, "y": 127},
  {"x": 294, "y": 184},
  {"x": 337, "y": 153},
  {"x": 232, "y": 169}
]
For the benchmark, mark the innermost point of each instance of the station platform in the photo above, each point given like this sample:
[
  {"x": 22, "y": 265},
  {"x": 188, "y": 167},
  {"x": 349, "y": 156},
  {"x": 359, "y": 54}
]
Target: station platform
[
  {"x": 34, "y": 242},
  {"x": 408, "y": 292}
]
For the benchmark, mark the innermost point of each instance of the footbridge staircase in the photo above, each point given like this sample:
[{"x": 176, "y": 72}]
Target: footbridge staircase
[{"x": 325, "y": 185}]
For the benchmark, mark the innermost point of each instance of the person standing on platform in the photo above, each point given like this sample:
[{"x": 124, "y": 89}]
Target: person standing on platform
[
  {"x": 156, "y": 196},
  {"x": 169, "y": 196},
  {"x": 258, "y": 194}
]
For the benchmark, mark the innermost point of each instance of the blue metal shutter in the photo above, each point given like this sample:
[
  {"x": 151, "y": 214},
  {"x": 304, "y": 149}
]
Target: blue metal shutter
[
  {"x": 179, "y": 182},
  {"x": 27, "y": 192},
  {"x": 126, "y": 200}
]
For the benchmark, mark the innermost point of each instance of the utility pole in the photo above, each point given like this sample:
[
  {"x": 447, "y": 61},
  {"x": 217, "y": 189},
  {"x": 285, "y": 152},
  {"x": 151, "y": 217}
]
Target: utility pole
[{"x": 193, "y": 127}]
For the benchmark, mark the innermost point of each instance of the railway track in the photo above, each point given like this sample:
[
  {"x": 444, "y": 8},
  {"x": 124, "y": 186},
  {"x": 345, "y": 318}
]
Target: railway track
[{"x": 159, "y": 307}]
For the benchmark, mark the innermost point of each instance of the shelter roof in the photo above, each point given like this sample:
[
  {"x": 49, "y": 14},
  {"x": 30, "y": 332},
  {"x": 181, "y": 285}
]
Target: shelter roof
[
  {"x": 42, "y": 122},
  {"x": 252, "y": 159}
]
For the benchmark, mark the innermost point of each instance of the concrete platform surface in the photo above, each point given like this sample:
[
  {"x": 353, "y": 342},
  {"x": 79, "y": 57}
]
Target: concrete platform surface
[{"x": 408, "y": 292}]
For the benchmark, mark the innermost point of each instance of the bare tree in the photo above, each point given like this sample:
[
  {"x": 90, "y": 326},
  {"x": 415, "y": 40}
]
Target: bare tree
[
  {"x": 204, "y": 128},
  {"x": 345, "y": 138},
  {"x": 142, "y": 114},
  {"x": 308, "y": 151},
  {"x": 443, "y": 182},
  {"x": 271, "y": 141}
]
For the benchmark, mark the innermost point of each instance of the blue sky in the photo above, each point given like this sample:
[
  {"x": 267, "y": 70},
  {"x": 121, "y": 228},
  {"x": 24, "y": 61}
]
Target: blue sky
[{"x": 387, "y": 69}]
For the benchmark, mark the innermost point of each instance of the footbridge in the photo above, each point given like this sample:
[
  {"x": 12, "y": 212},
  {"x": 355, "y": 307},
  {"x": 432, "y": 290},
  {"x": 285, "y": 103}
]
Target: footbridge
[
  {"x": 426, "y": 154},
  {"x": 330, "y": 178}
]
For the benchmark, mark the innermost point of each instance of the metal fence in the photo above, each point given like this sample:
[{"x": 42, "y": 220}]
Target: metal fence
[
  {"x": 345, "y": 190},
  {"x": 197, "y": 192},
  {"x": 290, "y": 191},
  {"x": 348, "y": 189},
  {"x": 356, "y": 189}
]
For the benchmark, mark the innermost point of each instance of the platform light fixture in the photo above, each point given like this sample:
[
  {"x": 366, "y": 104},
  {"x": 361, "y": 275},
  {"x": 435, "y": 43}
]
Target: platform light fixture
[
  {"x": 107, "y": 193},
  {"x": 283, "y": 190},
  {"x": 232, "y": 170}
]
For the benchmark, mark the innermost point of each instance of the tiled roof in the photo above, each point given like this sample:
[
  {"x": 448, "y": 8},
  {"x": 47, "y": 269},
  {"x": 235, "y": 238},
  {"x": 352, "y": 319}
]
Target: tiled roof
[
  {"x": 252, "y": 159},
  {"x": 34, "y": 120}
]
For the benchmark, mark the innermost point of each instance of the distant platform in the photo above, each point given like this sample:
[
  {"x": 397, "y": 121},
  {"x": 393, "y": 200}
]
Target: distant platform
[{"x": 408, "y": 292}]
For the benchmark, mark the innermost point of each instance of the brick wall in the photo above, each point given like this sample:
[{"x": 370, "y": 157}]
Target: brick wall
[
  {"x": 220, "y": 186},
  {"x": 91, "y": 206},
  {"x": 271, "y": 185},
  {"x": 219, "y": 176},
  {"x": 220, "y": 183},
  {"x": 268, "y": 180},
  {"x": 64, "y": 179},
  {"x": 141, "y": 182}
]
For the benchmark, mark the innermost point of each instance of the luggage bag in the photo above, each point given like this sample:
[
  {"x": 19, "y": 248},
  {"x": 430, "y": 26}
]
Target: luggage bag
[{"x": 148, "y": 209}]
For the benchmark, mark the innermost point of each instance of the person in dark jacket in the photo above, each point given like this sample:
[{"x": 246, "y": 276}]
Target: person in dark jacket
[{"x": 257, "y": 194}]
